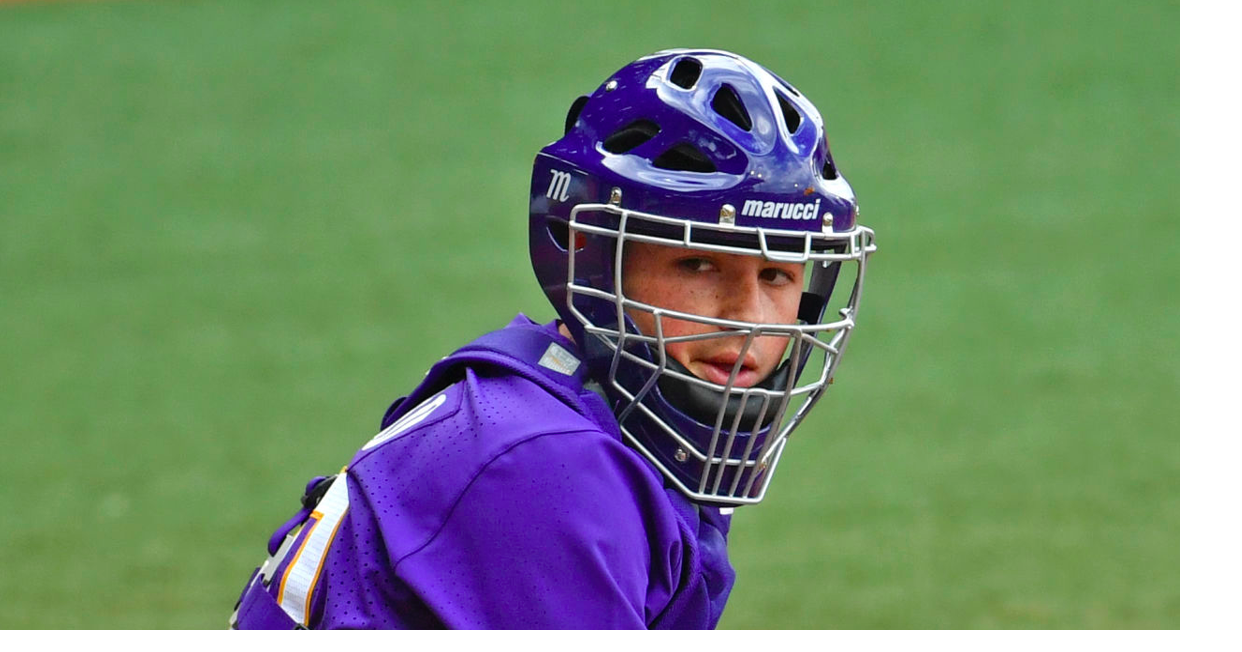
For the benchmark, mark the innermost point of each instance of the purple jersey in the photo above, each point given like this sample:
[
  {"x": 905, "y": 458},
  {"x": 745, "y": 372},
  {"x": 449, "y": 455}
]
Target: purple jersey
[{"x": 498, "y": 495}]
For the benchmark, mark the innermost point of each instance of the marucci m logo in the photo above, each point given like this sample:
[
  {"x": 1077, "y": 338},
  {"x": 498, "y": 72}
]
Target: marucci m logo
[
  {"x": 781, "y": 210},
  {"x": 558, "y": 189}
]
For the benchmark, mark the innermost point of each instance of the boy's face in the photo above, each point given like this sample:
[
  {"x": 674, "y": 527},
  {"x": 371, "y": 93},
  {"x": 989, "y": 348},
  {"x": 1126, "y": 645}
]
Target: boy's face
[{"x": 710, "y": 284}]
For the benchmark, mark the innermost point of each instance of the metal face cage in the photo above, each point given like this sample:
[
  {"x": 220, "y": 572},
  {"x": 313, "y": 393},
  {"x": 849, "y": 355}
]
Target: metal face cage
[{"x": 724, "y": 455}]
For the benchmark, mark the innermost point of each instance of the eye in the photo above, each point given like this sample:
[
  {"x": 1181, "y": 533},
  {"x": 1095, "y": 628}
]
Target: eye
[
  {"x": 776, "y": 276},
  {"x": 696, "y": 265}
]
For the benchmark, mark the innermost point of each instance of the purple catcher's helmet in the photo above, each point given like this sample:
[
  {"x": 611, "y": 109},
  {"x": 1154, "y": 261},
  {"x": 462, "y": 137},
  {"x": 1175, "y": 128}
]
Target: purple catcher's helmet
[{"x": 703, "y": 150}]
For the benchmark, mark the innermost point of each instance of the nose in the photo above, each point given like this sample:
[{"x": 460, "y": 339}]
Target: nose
[{"x": 744, "y": 298}]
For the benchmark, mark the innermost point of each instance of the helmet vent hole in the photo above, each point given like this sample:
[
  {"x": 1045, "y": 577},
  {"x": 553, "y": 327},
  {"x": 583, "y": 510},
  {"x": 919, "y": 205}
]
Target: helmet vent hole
[
  {"x": 630, "y": 136},
  {"x": 560, "y": 233},
  {"x": 830, "y": 170},
  {"x": 575, "y": 110},
  {"x": 686, "y": 72},
  {"x": 792, "y": 117},
  {"x": 730, "y": 106},
  {"x": 686, "y": 158},
  {"x": 792, "y": 91}
]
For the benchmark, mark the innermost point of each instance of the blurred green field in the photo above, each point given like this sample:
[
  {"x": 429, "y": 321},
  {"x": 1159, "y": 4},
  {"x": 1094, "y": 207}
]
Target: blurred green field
[{"x": 231, "y": 232}]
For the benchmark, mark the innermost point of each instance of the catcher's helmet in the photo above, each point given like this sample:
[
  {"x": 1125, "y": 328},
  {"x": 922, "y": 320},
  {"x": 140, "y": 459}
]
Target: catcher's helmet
[{"x": 707, "y": 150}]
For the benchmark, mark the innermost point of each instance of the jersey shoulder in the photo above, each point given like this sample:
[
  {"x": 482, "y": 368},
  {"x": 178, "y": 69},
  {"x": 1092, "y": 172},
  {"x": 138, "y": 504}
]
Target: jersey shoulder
[{"x": 411, "y": 475}]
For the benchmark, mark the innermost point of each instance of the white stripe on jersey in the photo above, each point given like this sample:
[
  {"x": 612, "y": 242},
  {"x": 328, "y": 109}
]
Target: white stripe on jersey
[
  {"x": 298, "y": 584},
  {"x": 411, "y": 418}
]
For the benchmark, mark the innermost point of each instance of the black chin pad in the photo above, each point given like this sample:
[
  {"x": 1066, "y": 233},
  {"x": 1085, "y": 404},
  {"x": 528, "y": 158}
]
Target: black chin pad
[{"x": 703, "y": 404}]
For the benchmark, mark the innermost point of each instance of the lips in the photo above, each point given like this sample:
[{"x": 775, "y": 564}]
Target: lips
[{"x": 718, "y": 368}]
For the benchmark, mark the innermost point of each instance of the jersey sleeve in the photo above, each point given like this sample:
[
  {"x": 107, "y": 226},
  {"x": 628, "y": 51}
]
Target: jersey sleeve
[{"x": 561, "y": 531}]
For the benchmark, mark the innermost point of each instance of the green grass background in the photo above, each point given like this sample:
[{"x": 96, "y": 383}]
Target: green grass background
[{"x": 231, "y": 232}]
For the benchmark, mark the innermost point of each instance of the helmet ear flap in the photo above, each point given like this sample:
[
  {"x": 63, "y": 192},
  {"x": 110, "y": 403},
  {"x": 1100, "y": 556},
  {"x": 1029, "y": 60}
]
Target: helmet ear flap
[{"x": 575, "y": 110}]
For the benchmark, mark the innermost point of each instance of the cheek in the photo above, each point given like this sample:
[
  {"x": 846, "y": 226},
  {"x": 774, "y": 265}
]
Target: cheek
[
  {"x": 783, "y": 306},
  {"x": 769, "y": 351},
  {"x": 683, "y": 352},
  {"x": 665, "y": 291},
  {"x": 787, "y": 302},
  {"x": 690, "y": 295},
  {"x": 679, "y": 351}
]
